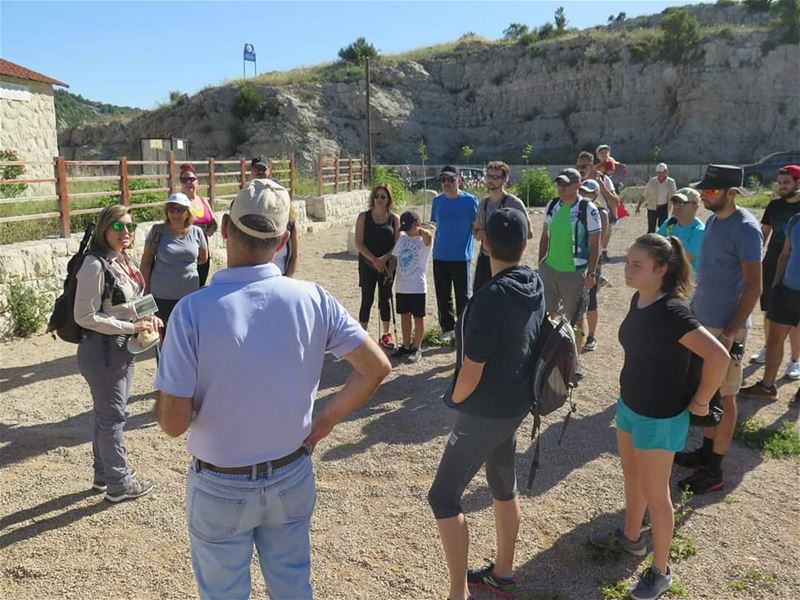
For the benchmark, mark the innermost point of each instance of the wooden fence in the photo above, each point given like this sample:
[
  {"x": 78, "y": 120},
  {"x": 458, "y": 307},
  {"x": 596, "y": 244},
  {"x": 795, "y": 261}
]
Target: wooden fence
[
  {"x": 211, "y": 173},
  {"x": 336, "y": 174}
]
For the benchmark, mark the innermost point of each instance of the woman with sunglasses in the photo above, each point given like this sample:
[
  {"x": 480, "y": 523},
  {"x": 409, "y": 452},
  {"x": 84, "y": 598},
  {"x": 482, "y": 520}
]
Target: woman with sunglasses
[
  {"x": 107, "y": 284},
  {"x": 172, "y": 252},
  {"x": 377, "y": 231},
  {"x": 202, "y": 213}
]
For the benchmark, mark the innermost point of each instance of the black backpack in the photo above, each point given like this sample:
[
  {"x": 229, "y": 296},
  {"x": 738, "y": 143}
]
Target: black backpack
[
  {"x": 555, "y": 357},
  {"x": 62, "y": 321}
]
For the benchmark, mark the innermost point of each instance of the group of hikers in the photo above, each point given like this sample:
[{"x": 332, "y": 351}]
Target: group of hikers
[{"x": 240, "y": 364}]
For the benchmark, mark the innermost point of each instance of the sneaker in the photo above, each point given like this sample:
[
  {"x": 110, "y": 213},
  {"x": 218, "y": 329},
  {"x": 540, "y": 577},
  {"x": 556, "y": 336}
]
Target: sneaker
[
  {"x": 652, "y": 584},
  {"x": 485, "y": 579},
  {"x": 760, "y": 391},
  {"x": 387, "y": 341},
  {"x": 136, "y": 488},
  {"x": 602, "y": 282},
  {"x": 449, "y": 336},
  {"x": 591, "y": 344},
  {"x": 98, "y": 485},
  {"x": 617, "y": 541},
  {"x": 761, "y": 357},
  {"x": 702, "y": 481},
  {"x": 693, "y": 460},
  {"x": 415, "y": 355},
  {"x": 402, "y": 351},
  {"x": 793, "y": 370}
]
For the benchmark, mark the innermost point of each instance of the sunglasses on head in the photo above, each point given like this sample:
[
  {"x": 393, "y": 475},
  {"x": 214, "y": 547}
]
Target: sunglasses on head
[
  {"x": 188, "y": 179},
  {"x": 176, "y": 208},
  {"x": 446, "y": 179},
  {"x": 118, "y": 226}
]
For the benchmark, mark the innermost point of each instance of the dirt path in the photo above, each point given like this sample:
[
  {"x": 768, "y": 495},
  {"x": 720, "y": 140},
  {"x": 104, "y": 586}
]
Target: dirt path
[{"x": 373, "y": 533}]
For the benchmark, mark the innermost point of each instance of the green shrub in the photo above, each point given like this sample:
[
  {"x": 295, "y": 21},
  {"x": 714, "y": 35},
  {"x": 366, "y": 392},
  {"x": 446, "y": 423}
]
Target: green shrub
[
  {"x": 248, "y": 101},
  {"x": 28, "y": 306},
  {"x": 777, "y": 443},
  {"x": 357, "y": 52},
  {"x": 787, "y": 22},
  {"x": 680, "y": 34},
  {"x": 515, "y": 31},
  {"x": 11, "y": 172},
  {"x": 391, "y": 179},
  {"x": 535, "y": 187}
]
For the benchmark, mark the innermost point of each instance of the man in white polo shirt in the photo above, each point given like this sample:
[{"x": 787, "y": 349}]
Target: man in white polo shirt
[
  {"x": 657, "y": 193},
  {"x": 240, "y": 368}
]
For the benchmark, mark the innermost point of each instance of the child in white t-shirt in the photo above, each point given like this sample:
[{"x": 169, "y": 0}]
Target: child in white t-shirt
[{"x": 412, "y": 250}]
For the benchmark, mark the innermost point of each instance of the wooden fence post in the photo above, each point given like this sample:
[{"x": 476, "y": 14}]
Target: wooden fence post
[
  {"x": 212, "y": 183},
  {"x": 292, "y": 176},
  {"x": 123, "y": 181},
  {"x": 336, "y": 174},
  {"x": 362, "y": 172},
  {"x": 349, "y": 173},
  {"x": 242, "y": 174},
  {"x": 319, "y": 175},
  {"x": 63, "y": 195},
  {"x": 171, "y": 172}
]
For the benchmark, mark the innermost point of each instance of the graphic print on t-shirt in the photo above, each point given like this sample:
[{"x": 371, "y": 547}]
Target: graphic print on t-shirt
[{"x": 412, "y": 263}]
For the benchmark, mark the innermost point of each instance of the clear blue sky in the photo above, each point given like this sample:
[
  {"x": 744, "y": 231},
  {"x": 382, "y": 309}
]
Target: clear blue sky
[{"x": 135, "y": 53}]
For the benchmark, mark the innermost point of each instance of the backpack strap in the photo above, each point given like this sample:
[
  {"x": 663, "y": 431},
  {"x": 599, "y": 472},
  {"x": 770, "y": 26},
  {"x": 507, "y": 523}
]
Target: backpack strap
[
  {"x": 583, "y": 207},
  {"x": 551, "y": 207}
]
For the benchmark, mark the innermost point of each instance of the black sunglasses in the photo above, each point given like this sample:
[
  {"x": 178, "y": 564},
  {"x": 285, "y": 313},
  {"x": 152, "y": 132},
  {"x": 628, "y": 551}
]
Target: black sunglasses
[{"x": 188, "y": 179}]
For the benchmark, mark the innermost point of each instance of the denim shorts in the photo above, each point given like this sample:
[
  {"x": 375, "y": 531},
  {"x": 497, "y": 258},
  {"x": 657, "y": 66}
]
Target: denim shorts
[{"x": 649, "y": 433}]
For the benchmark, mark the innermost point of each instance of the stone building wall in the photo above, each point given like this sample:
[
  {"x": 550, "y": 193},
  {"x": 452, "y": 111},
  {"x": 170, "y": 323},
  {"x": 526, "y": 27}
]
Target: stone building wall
[{"x": 29, "y": 127}]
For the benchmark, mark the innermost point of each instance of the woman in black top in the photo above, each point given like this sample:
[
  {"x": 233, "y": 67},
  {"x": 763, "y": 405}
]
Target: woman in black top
[
  {"x": 377, "y": 230},
  {"x": 658, "y": 335}
]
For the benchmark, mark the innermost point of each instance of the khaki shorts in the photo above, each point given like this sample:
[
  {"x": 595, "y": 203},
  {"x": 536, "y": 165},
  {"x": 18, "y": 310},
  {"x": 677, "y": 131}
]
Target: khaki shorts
[
  {"x": 564, "y": 291},
  {"x": 733, "y": 378}
]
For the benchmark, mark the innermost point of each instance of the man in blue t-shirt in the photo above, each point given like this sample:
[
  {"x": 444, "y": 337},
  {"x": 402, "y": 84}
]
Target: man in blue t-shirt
[
  {"x": 454, "y": 213},
  {"x": 728, "y": 287},
  {"x": 684, "y": 224}
]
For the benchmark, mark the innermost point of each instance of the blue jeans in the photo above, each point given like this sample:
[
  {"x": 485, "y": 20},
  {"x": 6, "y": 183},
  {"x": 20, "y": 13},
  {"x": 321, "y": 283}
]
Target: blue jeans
[{"x": 229, "y": 514}]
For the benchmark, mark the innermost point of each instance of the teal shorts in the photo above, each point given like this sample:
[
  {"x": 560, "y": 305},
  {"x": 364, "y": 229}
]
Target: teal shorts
[{"x": 653, "y": 434}]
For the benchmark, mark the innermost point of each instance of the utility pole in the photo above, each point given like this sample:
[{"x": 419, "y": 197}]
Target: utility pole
[{"x": 369, "y": 125}]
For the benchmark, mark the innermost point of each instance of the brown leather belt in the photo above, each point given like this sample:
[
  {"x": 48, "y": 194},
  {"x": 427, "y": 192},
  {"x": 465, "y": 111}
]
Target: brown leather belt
[{"x": 263, "y": 467}]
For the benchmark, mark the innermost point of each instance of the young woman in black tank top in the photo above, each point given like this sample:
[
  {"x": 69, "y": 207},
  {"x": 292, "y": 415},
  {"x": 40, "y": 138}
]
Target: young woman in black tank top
[{"x": 377, "y": 230}]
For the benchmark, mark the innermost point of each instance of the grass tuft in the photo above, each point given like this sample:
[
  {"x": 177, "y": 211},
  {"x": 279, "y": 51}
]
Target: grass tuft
[{"x": 776, "y": 443}]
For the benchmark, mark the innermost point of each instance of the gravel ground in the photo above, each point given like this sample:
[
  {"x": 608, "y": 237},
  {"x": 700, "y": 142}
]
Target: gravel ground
[{"x": 373, "y": 533}]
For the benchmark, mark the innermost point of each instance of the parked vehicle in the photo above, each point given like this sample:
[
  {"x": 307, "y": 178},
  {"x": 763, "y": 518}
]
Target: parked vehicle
[
  {"x": 764, "y": 170},
  {"x": 470, "y": 175}
]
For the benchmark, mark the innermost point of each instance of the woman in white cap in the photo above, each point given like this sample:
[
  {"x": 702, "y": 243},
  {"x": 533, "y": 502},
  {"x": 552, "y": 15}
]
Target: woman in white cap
[{"x": 172, "y": 251}]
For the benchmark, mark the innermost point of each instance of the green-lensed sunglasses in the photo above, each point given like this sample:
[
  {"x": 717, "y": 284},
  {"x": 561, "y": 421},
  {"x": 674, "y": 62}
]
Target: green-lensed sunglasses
[{"x": 129, "y": 227}]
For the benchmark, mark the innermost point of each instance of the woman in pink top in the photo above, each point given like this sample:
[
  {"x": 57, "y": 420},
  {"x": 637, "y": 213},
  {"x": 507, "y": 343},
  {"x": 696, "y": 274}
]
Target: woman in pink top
[{"x": 201, "y": 210}]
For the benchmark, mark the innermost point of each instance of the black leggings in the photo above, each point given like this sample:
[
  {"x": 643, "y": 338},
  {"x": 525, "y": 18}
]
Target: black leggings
[
  {"x": 474, "y": 441},
  {"x": 368, "y": 279}
]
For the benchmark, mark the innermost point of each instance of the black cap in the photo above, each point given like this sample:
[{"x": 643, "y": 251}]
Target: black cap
[
  {"x": 259, "y": 162},
  {"x": 507, "y": 227},
  {"x": 568, "y": 176},
  {"x": 449, "y": 170},
  {"x": 720, "y": 177},
  {"x": 407, "y": 220}
]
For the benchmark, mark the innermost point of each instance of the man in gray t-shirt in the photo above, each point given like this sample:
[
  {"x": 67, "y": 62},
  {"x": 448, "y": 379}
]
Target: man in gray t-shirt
[
  {"x": 496, "y": 179},
  {"x": 728, "y": 287}
]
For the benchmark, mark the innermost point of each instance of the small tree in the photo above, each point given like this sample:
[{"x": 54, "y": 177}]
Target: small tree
[
  {"x": 422, "y": 150},
  {"x": 546, "y": 31},
  {"x": 467, "y": 151},
  {"x": 248, "y": 101},
  {"x": 537, "y": 186},
  {"x": 560, "y": 19},
  {"x": 174, "y": 96},
  {"x": 357, "y": 52},
  {"x": 680, "y": 34},
  {"x": 515, "y": 31},
  {"x": 526, "y": 157}
]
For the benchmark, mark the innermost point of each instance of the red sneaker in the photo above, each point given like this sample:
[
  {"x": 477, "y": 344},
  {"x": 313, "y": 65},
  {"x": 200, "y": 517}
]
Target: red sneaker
[{"x": 387, "y": 341}]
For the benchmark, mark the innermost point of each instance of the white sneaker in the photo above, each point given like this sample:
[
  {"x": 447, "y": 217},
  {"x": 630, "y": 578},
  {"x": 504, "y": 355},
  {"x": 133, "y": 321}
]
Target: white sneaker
[
  {"x": 761, "y": 357},
  {"x": 793, "y": 370}
]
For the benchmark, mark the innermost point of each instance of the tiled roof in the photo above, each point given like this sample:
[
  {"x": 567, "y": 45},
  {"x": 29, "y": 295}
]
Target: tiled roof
[{"x": 11, "y": 69}]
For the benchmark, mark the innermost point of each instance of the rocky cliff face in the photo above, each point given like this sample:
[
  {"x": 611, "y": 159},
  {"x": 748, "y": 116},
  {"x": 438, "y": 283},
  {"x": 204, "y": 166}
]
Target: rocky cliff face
[{"x": 737, "y": 100}]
